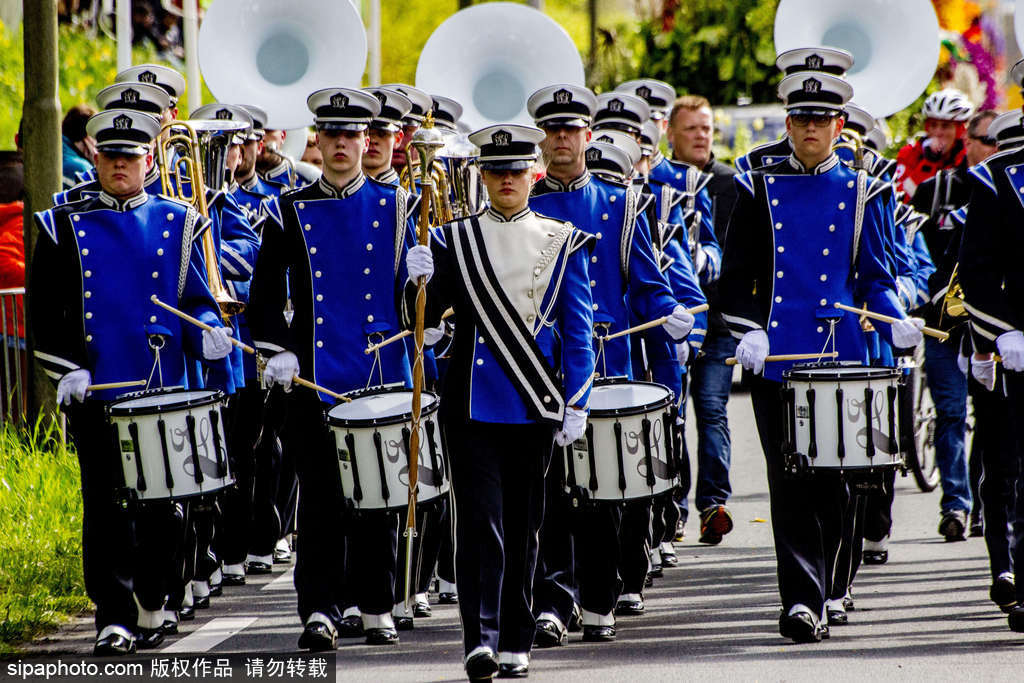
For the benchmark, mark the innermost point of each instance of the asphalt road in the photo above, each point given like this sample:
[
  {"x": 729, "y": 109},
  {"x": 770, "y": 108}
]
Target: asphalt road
[{"x": 923, "y": 616}]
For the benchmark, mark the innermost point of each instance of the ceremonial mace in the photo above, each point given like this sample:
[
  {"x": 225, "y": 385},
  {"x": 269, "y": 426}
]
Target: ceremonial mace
[{"x": 427, "y": 142}]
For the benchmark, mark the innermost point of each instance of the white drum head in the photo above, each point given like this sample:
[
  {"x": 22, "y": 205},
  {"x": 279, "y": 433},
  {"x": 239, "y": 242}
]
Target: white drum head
[
  {"x": 626, "y": 395},
  {"x": 164, "y": 398},
  {"x": 380, "y": 406}
]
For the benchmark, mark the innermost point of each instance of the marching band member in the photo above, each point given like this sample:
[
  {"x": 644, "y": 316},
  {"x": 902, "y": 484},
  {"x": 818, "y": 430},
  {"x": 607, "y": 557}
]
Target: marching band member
[
  {"x": 518, "y": 282},
  {"x": 625, "y": 279},
  {"x": 248, "y": 189},
  {"x": 990, "y": 275},
  {"x": 101, "y": 325},
  {"x": 384, "y": 134},
  {"x": 340, "y": 302},
  {"x": 829, "y": 60},
  {"x": 771, "y": 240},
  {"x": 421, "y": 104}
]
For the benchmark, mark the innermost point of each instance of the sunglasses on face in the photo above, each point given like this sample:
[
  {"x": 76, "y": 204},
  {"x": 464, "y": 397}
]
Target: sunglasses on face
[
  {"x": 804, "y": 120},
  {"x": 984, "y": 139}
]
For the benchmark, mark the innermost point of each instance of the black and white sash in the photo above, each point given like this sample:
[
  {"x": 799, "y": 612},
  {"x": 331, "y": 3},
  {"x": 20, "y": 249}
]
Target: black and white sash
[{"x": 508, "y": 338}]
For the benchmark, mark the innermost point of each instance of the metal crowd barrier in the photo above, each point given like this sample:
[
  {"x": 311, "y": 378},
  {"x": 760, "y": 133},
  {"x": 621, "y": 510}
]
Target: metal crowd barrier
[{"x": 13, "y": 404}]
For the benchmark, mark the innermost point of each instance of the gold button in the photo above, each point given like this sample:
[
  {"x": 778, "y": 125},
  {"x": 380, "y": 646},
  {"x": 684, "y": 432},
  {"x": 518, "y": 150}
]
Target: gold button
[
  {"x": 319, "y": 321},
  {"x": 831, "y": 228},
  {"x": 76, "y": 218},
  {"x": 593, "y": 259},
  {"x": 479, "y": 361},
  {"x": 823, "y": 277},
  {"x": 369, "y": 246},
  {"x": 85, "y": 252},
  {"x": 778, "y": 226},
  {"x": 302, "y": 205},
  {"x": 598, "y": 235},
  {"x": 529, "y": 318},
  {"x": 87, "y": 273},
  {"x": 771, "y": 181},
  {"x": 480, "y": 340},
  {"x": 593, "y": 283},
  {"x": 775, "y": 323},
  {"x": 159, "y": 252},
  {"x": 170, "y": 216},
  {"x": 529, "y": 293},
  {"x": 87, "y": 294},
  {"x": 547, "y": 399},
  {"x": 155, "y": 275},
  {"x": 308, "y": 227},
  {"x": 166, "y": 234},
  {"x": 612, "y": 199},
  {"x": 782, "y": 249},
  {"x": 152, "y": 318},
  {"x": 678, "y": 176},
  {"x": 368, "y": 296},
  {"x": 604, "y": 216},
  {"x": 842, "y": 205},
  {"x": 317, "y": 273},
  {"x": 823, "y": 302},
  {"x": 81, "y": 233},
  {"x": 88, "y": 337},
  {"x": 778, "y": 274},
  {"x": 312, "y": 250},
  {"x": 821, "y": 329},
  {"x": 369, "y": 318},
  {"x": 778, "y": 299},
  {"x": 824, "y": 252},
  {"x": 849, "y": 184},
  {"x": 775, "y": 202},
  {"x": 375, "y": 224},
  {"x": 366, "y": 271},
  {"x": 319, "y": 297},
  {"x": 383, "y": 202}
]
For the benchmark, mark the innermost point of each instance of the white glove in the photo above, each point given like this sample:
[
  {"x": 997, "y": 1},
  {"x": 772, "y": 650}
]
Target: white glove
[
  {"x": 420, "y": 262},
  {"x": 73, "y": 385},
  {"x": 573, "y": 426},
  {"x": 752, "y": 350},
  {"x": 216, "y": 343},
  {"x": 985, "y": 372},
  {"x": 282, "y": 369},
  {"x": 432, "y": 335},
  {"x": 964, "y": 363},
  {"x": 679, "y": 323},
  {"x": 682, "y": 353},
  {"x": 700, "y": 260},
  {"x": 1011, "y": 348},
  {"x": 906, "y": 333}
]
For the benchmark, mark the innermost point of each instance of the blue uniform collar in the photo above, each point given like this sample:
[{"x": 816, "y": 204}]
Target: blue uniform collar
[
  {"x": 123, "y": 204},
  {"x": 390, "y": 176},
  {"x": 342, "y": 192},
  {"x": 824, "y": 167},
  {"x": 514, "y": 218},
  {"x": 249, "y": 185},
  {"x": 575, "y": 184}
]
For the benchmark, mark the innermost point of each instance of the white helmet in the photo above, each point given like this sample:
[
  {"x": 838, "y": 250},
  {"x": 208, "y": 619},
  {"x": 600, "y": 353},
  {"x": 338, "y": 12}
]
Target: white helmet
[{"x": 947, "y": 105}]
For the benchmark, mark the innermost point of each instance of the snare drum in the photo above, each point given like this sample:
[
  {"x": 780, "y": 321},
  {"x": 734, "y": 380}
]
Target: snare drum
[
  {"x": 842, "y": 417},
  {"x": 629, "y": 451},
  {"x": 371, "y": 437},
  {"x": 172, "y": 443}
]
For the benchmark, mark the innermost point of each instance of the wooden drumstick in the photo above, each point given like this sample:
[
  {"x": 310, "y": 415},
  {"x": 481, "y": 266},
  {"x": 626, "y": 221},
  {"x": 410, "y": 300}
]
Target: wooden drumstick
[
  {"x": 789, "y": 356},
  {"x": 116, "y": 385},
  {"x": 930, "y": 331},
  {"x": 401, "y": 335},
  {"x": 245, "y": 347},
  {"x": 653, "y": 323}
]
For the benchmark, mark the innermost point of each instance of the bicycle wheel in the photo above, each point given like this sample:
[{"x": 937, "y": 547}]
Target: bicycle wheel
[{"x": 918, "y": 427}]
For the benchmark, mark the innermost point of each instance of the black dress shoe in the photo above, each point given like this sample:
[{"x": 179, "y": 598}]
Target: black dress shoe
[
  {"x": 170, "y": 627},
  {"x": 629, "y": 608},
  {"x": 256, "y": 567},
  {"x": 669, "y": 560},
  {"x": 149, "y": 638},
  {"x": 649, "y": 580},
  {"x": 953, "y": 525},
  {"x": 575, "y": 624},
  {"x": 114, "y": 645},
  {"x": 447, "y": 598},
  {"x": 837, "y": 617},
  {"x": 317, "y": 637},
  {"x": 421, "y": 610},
  {"x": 404, "y": 624},
  {"x": 481, "y": 666},
  {"x": 848, "y": 603},
  {"x": 598, "y": 634},
  {"x": 382, "y": 636},
  {"x": 800, "y": 628},
  {"x": 1016, "y": 619},
  {"x": 201, "y": 603},
  {"x": 513, "y": 671},
  {"x": 351, "y": 627},
  {"x": 876, "y": 556},
  {"x": 1004, "y": 593},
  {"x": 656, "y": 571},
  {"x": 549, "y": 634},
  {"x": 232, "y": 580},
  {"x": 187, "y": 613}
]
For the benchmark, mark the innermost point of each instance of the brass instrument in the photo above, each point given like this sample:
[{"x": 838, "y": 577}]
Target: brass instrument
[
  {"x": 439, "y": 189},
  {"x": 953, "y": 301},
  {"x": 852, "y": 141},
  {"x": 202, "y": 146}
]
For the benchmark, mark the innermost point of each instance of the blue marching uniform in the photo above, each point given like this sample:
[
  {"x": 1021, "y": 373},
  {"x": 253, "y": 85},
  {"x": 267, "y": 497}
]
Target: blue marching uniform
[
  {"x": 767, "y": 154},
  {"x": 627, "y": 284},
  {"x": 340, "y": 253},
  {"x": 96, "y": 264},
  {"x": 786, "y": 262},
  {"x": 522, "y": 354},
  {"x": 89, "y": 187}
]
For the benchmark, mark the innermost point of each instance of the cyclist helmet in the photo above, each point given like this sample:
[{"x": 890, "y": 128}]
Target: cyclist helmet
[{"x": 947, "y": 105}]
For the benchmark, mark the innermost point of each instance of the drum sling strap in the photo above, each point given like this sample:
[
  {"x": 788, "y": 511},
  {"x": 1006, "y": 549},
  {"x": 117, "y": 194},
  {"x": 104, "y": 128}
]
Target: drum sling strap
[{"x": 508, "y": 338}]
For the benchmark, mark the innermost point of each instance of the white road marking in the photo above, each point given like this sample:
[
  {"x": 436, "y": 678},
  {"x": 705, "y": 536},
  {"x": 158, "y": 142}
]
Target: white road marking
[
  {"x": 209, "y": 635},
  {"x": 285, "y": 582}
]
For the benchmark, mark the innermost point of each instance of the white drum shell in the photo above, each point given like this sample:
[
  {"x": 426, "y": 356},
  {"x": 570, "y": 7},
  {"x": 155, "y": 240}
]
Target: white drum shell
[
  {"x": 357, "y": 451},
  {"x": 209, "y": 432},
  {"x": 607, "y": 442},
  {"x": 854, "y": 427}
]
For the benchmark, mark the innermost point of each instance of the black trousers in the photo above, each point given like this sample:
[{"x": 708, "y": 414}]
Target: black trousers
[
  {"x": 878, "y": 511},
  {"x": 320, "y": 567},
  {"x": 635, "y": 543},
  {"x": 498, "y": 480},
  {"x": 126, "y": 549},
  {"x": 851, "y": 546},
  {"x": 807, "y": 512},
  {"x": 665, "y": 513},
  {"x": 1015, "y": 441},
  {"x": 431, "y": 528},
  {"x": 555, "y": 589}
]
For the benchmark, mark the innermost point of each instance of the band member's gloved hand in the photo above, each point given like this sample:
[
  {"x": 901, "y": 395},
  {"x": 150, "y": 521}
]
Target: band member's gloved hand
[
  {"x": 752, "y": 350},
  {"x": 964, "y": 363},
  {"x": 73, "y": 385},
  {"x": 906, "y": 333},
  {"x": 281, "y": 369},
  {"x": 432, "y": 335},
  {"x": 679, "y": 323},
  {"x": 1011, "y": 348},
  {"x": 420, "y": 262},
  {"x": 682, "y": 353},
  {"x": 984, "y": 371},
  {"x": 574, "y": 424},
  {"x": 216, "y": 343},
  {"x": 700, "y": 260}
]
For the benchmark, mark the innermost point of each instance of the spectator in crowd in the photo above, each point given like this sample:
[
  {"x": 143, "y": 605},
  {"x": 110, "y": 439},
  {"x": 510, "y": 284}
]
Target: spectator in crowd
[
  {"x": 312, "y": 154},
  {"x": 78, "y": 147}
]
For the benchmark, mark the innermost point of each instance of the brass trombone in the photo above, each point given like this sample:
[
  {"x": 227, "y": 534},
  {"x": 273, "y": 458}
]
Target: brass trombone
[{"x": 197, "y": 140}]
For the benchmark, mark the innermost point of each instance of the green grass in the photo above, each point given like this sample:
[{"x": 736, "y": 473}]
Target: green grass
[{"x": 40, "y": 533}]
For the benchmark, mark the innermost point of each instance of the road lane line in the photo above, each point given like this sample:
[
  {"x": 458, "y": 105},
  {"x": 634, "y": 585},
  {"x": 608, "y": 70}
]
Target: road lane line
[
  {"x": 285, "y": 582},
  {"x": 209, "y": 636}
]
